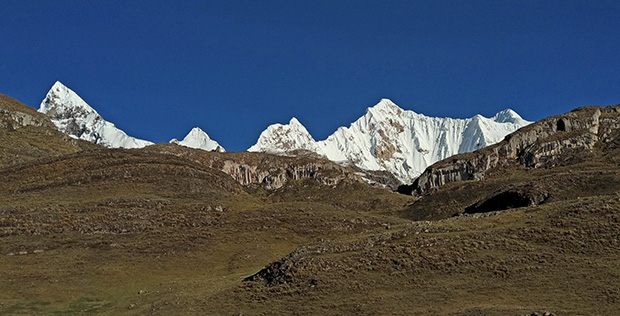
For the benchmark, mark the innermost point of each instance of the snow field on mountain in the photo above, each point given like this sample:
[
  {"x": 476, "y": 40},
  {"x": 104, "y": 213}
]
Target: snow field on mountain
[
  {"x": 389, "y": 138},
  {"x": 198, "y": 139},
  {"x": 74, "y": 116}
]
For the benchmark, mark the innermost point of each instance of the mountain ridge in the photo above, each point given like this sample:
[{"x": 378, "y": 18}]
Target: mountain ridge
[
  {"x": 536, "y": 146},
  {"x": 390, "y": 138},
  {"x": 386, "y": 138}
]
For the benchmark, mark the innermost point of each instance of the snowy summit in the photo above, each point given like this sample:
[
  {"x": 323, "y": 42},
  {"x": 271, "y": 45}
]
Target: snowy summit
[
  {"x": 197, "y": 138},
  {"x": 74, "y": 116},
  {"x": 389, "y": 138},
  {"x": 287, "y": 137}
]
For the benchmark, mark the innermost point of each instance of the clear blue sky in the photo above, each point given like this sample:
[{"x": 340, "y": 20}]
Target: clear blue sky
[{"x": 158, "y": 68}]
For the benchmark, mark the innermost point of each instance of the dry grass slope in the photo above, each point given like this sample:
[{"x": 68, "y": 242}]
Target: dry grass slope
[
  {"x": 164, "y": 230},
  {"x": 29, "y": 135}
]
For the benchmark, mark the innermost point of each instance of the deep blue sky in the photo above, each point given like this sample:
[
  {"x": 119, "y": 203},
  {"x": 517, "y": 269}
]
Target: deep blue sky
[{"x": 158, "y": 68}]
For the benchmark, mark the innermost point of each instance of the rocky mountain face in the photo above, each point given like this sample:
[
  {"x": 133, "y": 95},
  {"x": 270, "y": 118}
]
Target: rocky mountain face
[
  {"x": 197, "y": 138},
  {"x": 13, "y": 117},
  {"x": 270, "y": 171},
  {"x": 385, "y": 139},
  {"x": 550, "y": 142},
  {"x": 278, "y": 138},
  {"x": 389, "y": 138},
  {"x": 74, "y": 116}
]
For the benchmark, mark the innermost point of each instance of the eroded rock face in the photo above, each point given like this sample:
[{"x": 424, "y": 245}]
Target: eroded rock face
[
  {"x": 275, "y": 178},
  {"x": 544, "y": 144},
  {"x": 267, "y": 170},
  {"x": 15, "y": 115},
  {"x": 14, "y": 120}
]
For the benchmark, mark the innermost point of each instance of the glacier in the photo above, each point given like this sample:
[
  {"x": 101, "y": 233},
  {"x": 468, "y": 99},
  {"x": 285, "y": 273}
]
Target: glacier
[{"x": 389, "y": 138}]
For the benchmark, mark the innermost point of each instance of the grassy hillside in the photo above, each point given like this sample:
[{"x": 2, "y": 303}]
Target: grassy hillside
[
  {"x": 27, "y": 135},
  {"x": 86, "y": 232},
  {"x": 163, "y": 230}
]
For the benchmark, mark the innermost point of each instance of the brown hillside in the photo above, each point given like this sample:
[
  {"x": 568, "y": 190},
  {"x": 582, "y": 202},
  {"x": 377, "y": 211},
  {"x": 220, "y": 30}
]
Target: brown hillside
[
  {"x": 168, "y": 230},
  {"x": 29, "y": 135}
]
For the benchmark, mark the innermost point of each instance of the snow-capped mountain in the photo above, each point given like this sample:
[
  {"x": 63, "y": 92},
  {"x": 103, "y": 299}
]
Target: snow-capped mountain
[
  {"x": 287, "y": 137},
  {"x": 74, "y": 116},
  {"x": 197, "y": 138},
  {"x": 399, "y": 141}
]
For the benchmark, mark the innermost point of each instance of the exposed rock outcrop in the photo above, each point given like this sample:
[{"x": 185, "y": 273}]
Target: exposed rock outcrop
[
  {"x": 12, "y": 120},
  {"x": 553, "y": 141},
  {"x": 14, "y": 115},
  {"x": 268, "y": 170},
  {"x": 275, "y": 178}
]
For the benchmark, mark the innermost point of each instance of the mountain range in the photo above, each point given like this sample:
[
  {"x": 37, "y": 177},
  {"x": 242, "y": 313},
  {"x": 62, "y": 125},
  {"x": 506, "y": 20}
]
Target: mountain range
[
  {"x": 72, "y": 115},
  {"x": 389, "y": 138},
  {"x": 386, "y": 138},
  {"x": 528, "y": 226}
]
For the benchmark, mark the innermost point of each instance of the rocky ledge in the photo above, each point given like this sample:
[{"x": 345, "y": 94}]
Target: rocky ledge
[
  {"x": 14, "y": 115},
  {"x": 556, "y": 140},
  {"x": 267, "y": 170}
]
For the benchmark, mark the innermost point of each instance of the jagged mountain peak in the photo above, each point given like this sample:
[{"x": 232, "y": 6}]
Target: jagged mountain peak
[
  {"x": 72, "y": 115},
  {"x": 385, "y": 106},
  {"x": 199, "y": 139},
  {"x": 197, "y": 131},
  {"x": 390, "y": 138},
  {"x": 294, "y": 122},
  {"x": 285, "y": 137},
  {"x": 60, "y": 87},
  {"x": 508, "y": 116},
  {"x": 62, "y": 102},
  {"x": 386, "y": 103}
]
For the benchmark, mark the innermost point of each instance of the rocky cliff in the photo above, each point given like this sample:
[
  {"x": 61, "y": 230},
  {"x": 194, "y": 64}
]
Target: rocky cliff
[
  {"x": 267, "y": 170},
  {"x": 14, "y": 115},
  {"x": 557, "y": 140},
  {"x": 276, "y": 177}
]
